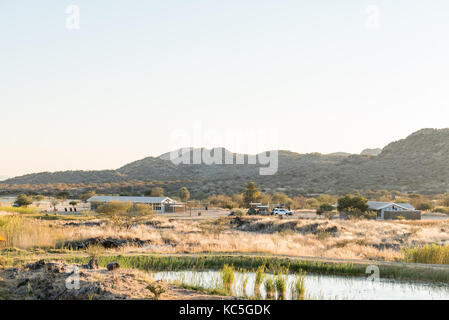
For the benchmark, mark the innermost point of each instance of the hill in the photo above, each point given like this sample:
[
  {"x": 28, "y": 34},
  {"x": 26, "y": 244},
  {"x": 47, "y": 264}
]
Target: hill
[
  {"x": 418, "y": 163},
  {"x": 371, "y": 152}
]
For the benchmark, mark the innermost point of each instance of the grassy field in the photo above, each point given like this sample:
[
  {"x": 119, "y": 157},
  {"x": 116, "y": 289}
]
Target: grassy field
[
  {"x": 21, "y": 210},
  {"x": 247, "y": 243}
]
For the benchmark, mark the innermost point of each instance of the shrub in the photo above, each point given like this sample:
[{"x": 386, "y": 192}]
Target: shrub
[
  {"x": 23, "y": 200},
  {"x": 354, "y": 204},
  {"x": 157, "y": 289},
  {"x": 94, "y": 251},
  {"x": 238, "y": 213},
  {"x": 324, "y": 208},
  {"x": 424, "y": 206},
  {"x": 444, "y": 210}
]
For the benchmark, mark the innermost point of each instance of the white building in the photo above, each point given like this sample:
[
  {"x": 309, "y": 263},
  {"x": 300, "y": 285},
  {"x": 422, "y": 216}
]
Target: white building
[
  {"x": 158, "y": 204},
  {"x": 382, "y": 207}
]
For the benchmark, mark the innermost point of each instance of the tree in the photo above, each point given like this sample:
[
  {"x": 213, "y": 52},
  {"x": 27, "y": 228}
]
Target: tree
[
  {"x": 63, "y": 195},
  {"x": 54, "y": 202},
  {"x": 184, "y": 194},
  {"x": 23, "y": 200},
  {"x": 424, "y": 206},
  {"x": 37, "y": 198},
  {"x": 87, "y": 195},
  {"x": 125, "y": 214},
  {"x": 251, "y": 193},
  {"x": 73, "y": 203},
  {"x": 312, "y": 203},
  {"x": 157, "y": 192},
  {"x": 283, "y": 199},
  {"x": 354, "y": 206},
  {"x": 326, "y": 210},
  {"x": 445, "y": 200}
]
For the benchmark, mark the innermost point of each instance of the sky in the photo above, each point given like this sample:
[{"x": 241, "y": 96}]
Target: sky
[{"x": 97, "y": 84}]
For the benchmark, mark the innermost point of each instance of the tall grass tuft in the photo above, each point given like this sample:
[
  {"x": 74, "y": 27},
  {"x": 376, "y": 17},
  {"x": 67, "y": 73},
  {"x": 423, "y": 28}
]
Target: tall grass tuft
[
  {"x": 269, "y": 288},
  {"x": 281, "y": 286},
  {"x": 299, "y": 287},
  {"x": 227, "y": 277},
  {"x": 260, "y": 275},
  {"x": 430, "y": 254}
]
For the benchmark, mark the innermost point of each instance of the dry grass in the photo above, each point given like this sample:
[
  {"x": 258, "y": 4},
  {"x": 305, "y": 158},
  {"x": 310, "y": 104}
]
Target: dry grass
[
  {"x": 352, "y": 239},
  {"x": 26, "y": 233}
]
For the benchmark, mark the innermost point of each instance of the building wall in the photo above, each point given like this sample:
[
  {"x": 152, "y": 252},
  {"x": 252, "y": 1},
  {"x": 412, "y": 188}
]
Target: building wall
[{"x": 409, "y": 215}]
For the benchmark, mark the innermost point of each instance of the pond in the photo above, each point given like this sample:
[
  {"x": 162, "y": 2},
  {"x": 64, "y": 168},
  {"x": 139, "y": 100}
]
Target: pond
[
  {"x": 7, "y": 200},
  {"x": 323, "y": 287}
]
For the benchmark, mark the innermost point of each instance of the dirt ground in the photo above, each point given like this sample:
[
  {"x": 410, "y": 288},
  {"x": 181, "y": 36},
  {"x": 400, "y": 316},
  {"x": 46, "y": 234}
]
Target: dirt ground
[{"x": 58, "y": 281}]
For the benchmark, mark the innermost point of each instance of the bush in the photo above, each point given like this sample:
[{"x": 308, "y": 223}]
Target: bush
[
  {"x": 125, "y": 214},
  {"x": 353, "y": 213},
  {"x": 157, "y": 289},
  {"x": 324, "y": 208},
  {"x": 444, "y": 210},
  {"x": 353, "y": 204},
  {"x": 238, "y": 213},
  {"x": 424, "y": 206},
  {"x": 23, "y": 200}
]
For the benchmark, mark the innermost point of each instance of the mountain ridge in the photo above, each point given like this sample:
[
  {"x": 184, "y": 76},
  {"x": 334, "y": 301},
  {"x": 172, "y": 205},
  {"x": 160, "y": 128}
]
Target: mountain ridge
[{"x": 417, "y": 163}]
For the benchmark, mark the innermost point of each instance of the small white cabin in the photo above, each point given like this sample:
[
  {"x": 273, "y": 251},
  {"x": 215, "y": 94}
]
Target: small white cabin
[
  {"x": 158, "y": 204},
  {"x": 382, "y": 207}
]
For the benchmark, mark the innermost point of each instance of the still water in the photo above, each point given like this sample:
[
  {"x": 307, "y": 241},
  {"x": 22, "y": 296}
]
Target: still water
[{"x": 318, "y": 286}]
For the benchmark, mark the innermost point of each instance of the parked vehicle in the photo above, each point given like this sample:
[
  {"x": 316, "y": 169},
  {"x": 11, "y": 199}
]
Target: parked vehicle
[
  {"x": 281, "y": 212},
  {"x": 259, "y": 210}
]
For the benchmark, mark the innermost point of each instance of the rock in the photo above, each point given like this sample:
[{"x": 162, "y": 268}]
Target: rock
[
  {"x": 22, "y": 283},
  {"x": 108, "y": 243},
  {"x": 36, "y": 265},
  {"x": 54, "y": 267},
  {"x": 333, "y": 229},
  {"x": 113, "y": 266},
  {"x": 82, "y": 224},
  {"x": 93, "y": 264}
]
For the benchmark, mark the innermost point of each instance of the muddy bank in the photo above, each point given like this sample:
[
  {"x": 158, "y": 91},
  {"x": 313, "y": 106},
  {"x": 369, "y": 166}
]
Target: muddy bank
[{"x": 60, "y": 281}]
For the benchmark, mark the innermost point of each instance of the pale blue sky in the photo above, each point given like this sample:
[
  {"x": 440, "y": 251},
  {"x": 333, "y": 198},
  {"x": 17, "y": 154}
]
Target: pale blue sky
[{"x": 112, "y": 92}]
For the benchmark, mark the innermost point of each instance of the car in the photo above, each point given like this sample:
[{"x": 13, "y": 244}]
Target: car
[{"x": 281, "y": 212}]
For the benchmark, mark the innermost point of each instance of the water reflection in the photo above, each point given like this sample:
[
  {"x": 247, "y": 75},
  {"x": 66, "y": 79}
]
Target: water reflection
[{"x": 317, "y": 286}]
